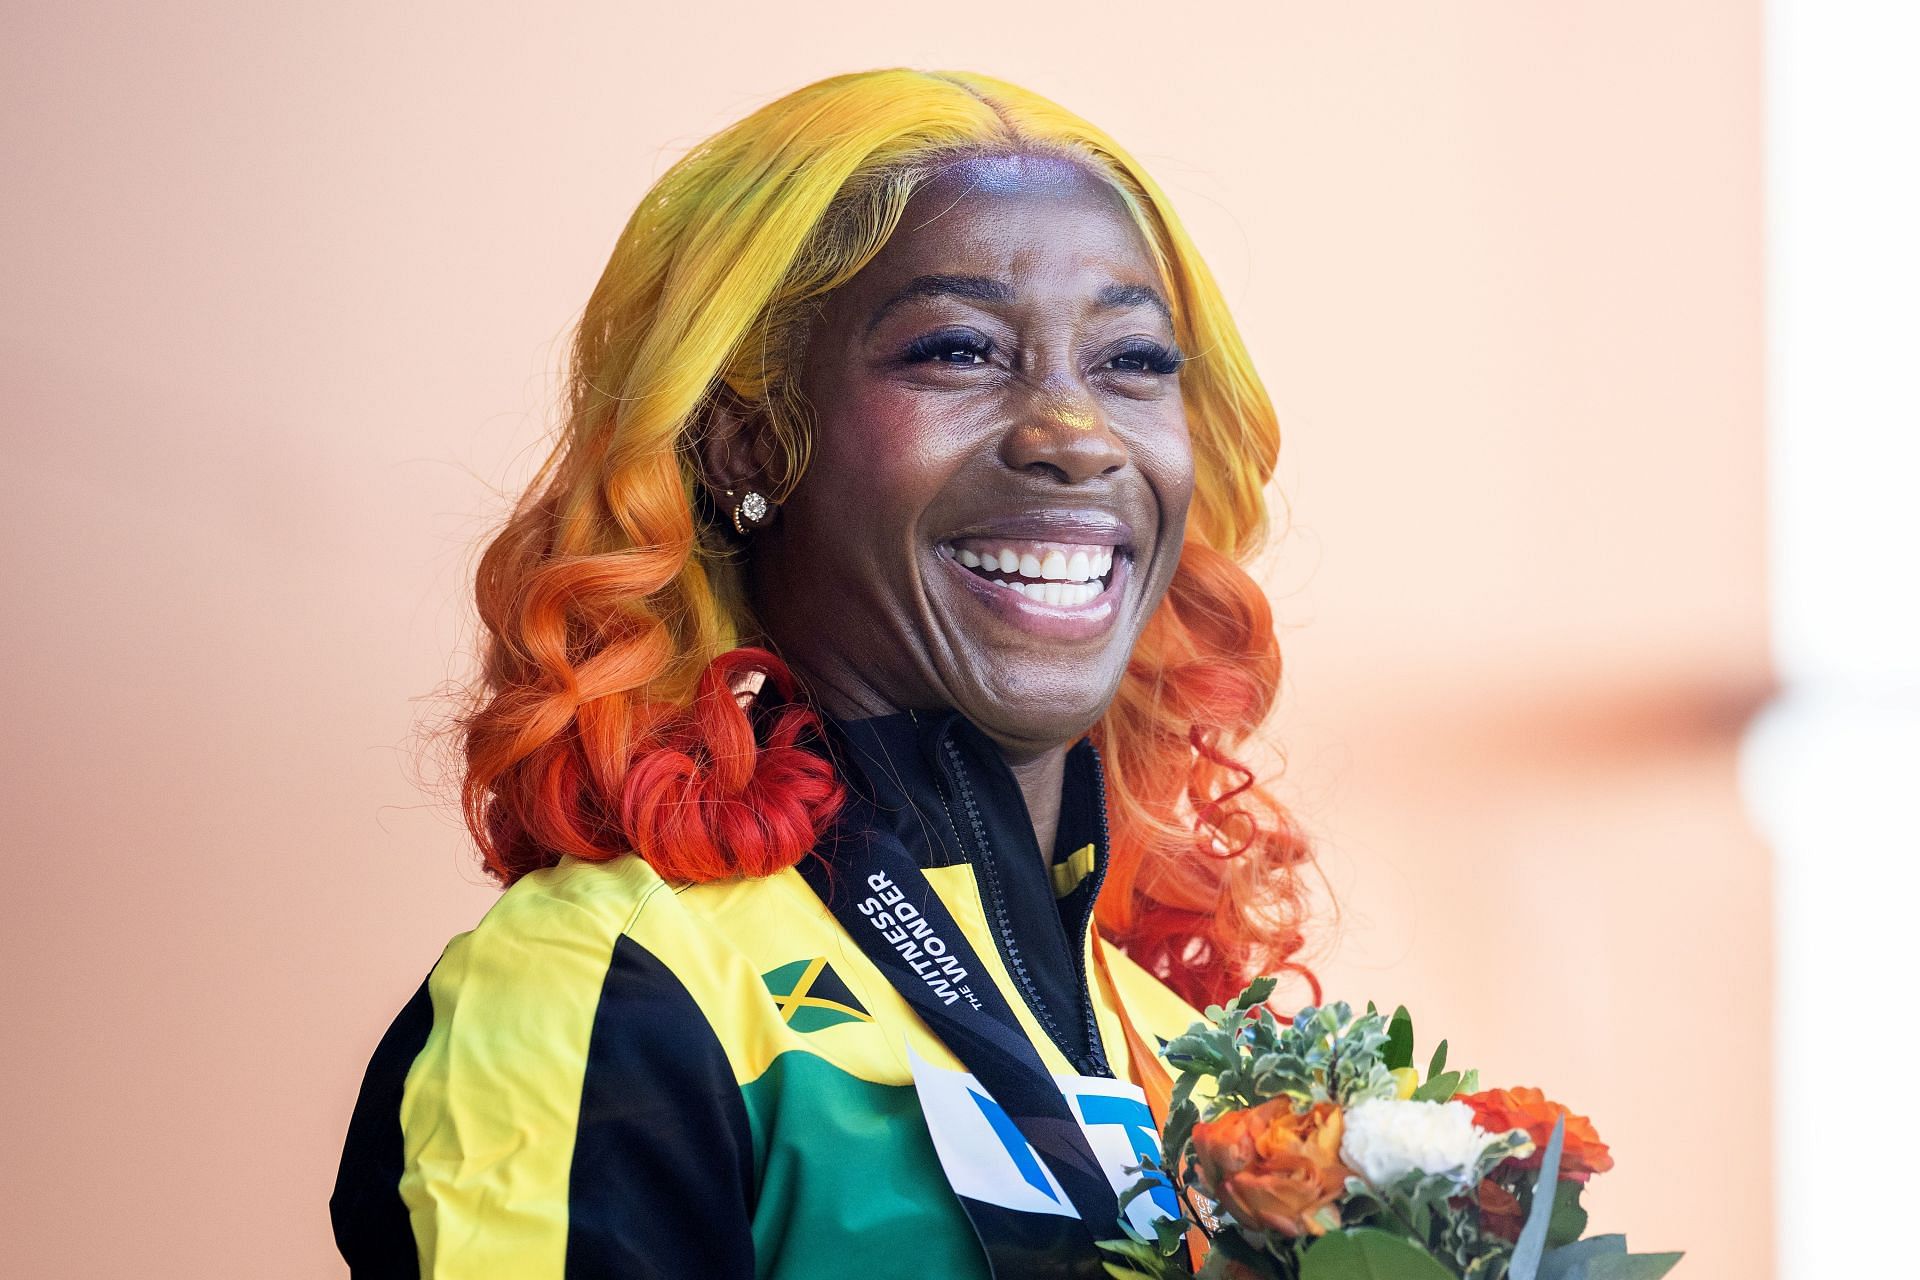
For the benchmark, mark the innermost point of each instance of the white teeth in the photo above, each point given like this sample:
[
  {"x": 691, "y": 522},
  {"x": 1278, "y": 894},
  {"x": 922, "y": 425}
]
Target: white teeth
[
  {"x": 1061, "y": 578},
  {"x": 1070, "y": 595}
]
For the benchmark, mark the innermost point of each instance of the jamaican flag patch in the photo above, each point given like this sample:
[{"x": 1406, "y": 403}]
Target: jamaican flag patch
[{"x": 811, "y": 996}]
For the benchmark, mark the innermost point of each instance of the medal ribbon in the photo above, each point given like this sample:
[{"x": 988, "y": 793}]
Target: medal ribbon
[{"x": 863, "y": 873}]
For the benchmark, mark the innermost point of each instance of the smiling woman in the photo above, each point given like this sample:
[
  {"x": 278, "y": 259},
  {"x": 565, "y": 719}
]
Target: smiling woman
[
  {"x": 875, "y": 629},
  {"x": 1002, "y": 381}
]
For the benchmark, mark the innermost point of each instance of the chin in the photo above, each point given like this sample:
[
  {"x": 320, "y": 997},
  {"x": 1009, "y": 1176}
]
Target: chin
[{"x": 1039, "y": 713}]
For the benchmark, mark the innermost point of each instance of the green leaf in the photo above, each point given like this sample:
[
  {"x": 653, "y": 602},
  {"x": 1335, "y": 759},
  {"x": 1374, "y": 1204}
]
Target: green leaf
[
  {"x": 1399, "y": 1050},
  {"x": 1146, "y": 1264},
  {"x": 1145, "y": 1184},
  {"x": 1533, "y": 1236},
  {"x": 1180, "y": 1122},
  {"x": 1569, "y": 1219},
  {"x": 1192, "y": 1045},
  {"x": 1255, "y": 995},
  {"x": 1421, "y": 1218},
  {"x": 1167, "y": 1235},
  {"x": 1439, "y": 1088},
  {"x": 1367, "y": 1254},
  {"x": 1569, "y": 1261},
  {"x": 1439, "y": 1062},
  {"x": 1230, "y": 1247},
  {"x": 1632, "y": 1266},
  {"x": 1145, "y": 1260}
]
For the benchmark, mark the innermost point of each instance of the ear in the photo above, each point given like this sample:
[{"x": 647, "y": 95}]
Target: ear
[{"x": 735, "y": 448}]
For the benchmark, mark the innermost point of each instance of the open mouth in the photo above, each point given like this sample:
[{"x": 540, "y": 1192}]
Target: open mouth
[{"x": 1067, "y": 575}]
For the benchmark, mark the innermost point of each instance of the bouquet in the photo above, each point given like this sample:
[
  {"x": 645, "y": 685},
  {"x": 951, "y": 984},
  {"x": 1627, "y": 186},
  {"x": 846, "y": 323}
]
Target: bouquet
[{"x": 1314, "y": 1150}]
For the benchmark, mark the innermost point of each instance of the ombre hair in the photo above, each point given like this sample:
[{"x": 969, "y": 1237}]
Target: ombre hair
[{"x": 619, "y": 638}]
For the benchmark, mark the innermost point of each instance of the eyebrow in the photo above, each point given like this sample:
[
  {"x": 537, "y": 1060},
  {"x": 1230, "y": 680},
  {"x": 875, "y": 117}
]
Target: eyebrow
[
  {"x": 1113, "y": 297},
  {"x": 1118, "y": 297},
  {"x": 975, "y": 288}
]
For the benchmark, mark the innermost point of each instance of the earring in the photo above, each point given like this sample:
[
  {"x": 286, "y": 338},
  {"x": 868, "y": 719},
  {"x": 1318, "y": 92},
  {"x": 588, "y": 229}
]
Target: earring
[{"x": 750, "y": 512}]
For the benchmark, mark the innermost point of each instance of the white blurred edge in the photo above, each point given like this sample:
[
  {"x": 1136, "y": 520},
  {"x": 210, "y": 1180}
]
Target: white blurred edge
[{"x": 1831, "y": 768}]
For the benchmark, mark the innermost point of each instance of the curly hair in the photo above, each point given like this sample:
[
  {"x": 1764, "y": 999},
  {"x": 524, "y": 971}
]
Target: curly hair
[{"x": 618, "y": 635}]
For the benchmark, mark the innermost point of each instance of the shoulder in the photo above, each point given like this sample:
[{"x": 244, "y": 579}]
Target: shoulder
[
  {"x": 517, "y": 1121},
  {"x": 566, "y": 968},
  {"x": 558, "y": 924},
  {"x": 605, "y": 961},
  {"x": 531, "y": 975}
]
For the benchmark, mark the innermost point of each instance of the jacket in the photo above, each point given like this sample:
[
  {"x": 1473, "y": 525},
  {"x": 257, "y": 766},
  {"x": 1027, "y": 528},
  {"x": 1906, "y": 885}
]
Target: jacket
[{"x": 615, "y": 1075}]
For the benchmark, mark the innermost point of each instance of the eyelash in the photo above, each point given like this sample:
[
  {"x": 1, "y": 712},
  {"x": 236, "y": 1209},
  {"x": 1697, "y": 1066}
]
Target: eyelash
[
  {"x": 1154, "y": 358},
  {"x": 930, "y": 348}
]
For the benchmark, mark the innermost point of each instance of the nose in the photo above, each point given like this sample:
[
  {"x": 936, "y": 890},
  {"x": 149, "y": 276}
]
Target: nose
[{"x": 1065, "y": 436}]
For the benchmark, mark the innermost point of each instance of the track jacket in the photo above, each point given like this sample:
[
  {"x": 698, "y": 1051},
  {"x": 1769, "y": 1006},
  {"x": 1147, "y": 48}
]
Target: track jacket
[{"x": 614, "y": 1075}]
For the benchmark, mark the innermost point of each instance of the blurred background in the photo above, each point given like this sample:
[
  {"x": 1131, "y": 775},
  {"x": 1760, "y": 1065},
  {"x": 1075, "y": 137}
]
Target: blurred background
[{"x": 287, "y": 292}]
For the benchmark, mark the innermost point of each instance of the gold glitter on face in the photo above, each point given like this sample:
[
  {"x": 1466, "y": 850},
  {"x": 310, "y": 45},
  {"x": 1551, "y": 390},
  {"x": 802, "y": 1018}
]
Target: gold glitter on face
[{"x": 1069, "y": 416}]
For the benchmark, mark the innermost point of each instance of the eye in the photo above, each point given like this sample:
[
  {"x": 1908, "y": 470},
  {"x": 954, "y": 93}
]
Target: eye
[
  {"x": 957, "y": 348},
  {"x": 1146, "y": 357},
  {"x": 949, "y": 348}
]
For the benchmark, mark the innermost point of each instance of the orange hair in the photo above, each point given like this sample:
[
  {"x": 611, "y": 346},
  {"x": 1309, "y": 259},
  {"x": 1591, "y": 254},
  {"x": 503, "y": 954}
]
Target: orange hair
[{"x": 617, "y": 624}]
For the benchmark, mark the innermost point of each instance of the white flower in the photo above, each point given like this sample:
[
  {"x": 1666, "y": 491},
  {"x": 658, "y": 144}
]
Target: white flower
[{"x": 1386, "y": 1138}]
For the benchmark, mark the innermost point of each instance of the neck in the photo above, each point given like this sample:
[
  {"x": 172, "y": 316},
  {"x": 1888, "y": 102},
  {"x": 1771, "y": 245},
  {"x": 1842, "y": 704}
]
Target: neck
[
  {"x": 1041, "y": 772},
  {"x": 1041, "y": 780}
]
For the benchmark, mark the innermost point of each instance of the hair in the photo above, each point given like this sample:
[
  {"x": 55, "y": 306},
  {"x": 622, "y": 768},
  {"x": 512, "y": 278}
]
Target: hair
[{"x": 612, "y": 715}]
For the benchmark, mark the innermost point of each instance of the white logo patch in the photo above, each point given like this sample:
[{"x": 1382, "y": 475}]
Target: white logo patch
[{"x": 986, "y": 1158}]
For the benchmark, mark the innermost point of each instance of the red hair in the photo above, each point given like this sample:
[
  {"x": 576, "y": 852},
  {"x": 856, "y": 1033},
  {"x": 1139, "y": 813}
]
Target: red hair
[
  {"x": 705, "y": 796},
  {"x": 1199, "y": 848}
]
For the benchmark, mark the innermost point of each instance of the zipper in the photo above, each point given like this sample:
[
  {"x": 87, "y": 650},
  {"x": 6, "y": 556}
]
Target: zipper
[
  {"x": 1105, "y": 853},
  {"x": 1093, "y": 1062}
]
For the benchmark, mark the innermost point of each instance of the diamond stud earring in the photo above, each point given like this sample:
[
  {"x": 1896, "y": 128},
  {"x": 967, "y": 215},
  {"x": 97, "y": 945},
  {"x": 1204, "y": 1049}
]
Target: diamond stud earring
[{"x": 750, "y": 512}]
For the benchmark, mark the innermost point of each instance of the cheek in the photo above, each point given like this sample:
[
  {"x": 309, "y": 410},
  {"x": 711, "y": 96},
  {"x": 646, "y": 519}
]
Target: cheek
[
  {"x": 1165, "y": 456},
  {"x": 882, "y": 451}
]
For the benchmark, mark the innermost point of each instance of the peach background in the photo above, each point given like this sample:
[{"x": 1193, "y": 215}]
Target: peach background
[{"x": 285, "y": 292}]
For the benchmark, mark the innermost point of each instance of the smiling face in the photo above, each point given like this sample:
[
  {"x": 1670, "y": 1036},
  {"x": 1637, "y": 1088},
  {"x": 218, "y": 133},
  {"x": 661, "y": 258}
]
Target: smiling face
[{"x": 1000, "y": 472}]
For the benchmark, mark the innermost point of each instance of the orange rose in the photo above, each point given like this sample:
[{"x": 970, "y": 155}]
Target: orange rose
[
  {"x": 1274, "y": 1169},
  {"x": 1582, "y": 1154}
]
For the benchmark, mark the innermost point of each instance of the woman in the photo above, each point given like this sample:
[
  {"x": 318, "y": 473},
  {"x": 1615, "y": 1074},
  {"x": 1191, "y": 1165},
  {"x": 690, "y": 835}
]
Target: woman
[{"x": 915, "y": 382}]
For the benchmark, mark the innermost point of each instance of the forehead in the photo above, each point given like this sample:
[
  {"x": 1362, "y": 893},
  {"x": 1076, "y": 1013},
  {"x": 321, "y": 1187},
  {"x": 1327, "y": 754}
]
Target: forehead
[{"x": 1011, "y": 217}]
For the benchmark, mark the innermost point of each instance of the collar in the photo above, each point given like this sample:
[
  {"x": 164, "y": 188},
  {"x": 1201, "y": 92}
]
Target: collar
[
  {"x": 942, "y": 788},
  {"x": 941, "y": 785}
]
